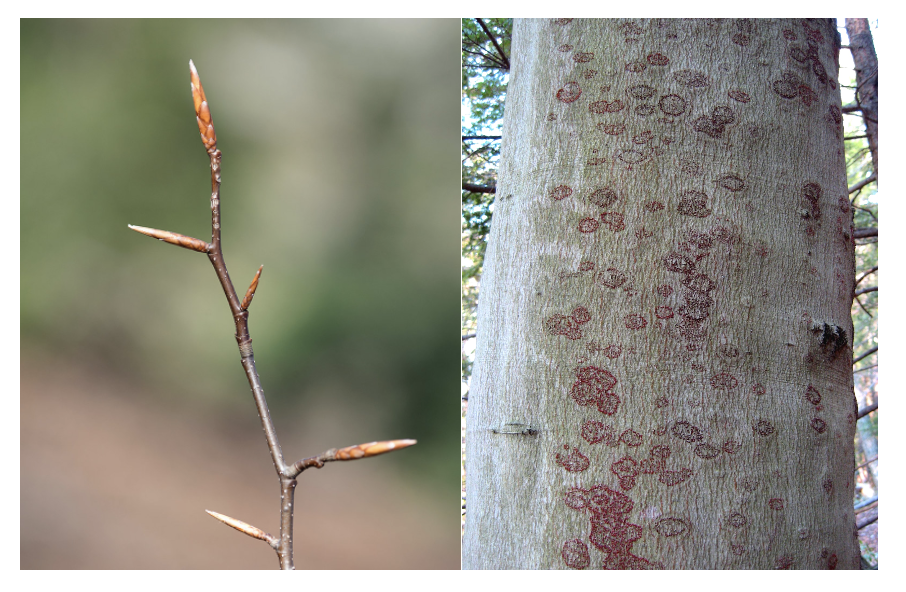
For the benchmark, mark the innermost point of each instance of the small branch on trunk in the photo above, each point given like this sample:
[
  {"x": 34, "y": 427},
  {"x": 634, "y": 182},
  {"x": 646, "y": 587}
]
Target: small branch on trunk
[
  {"x": 479, "y": 188},
  {"x": 851, "y": 108},
  {"x": 468, "y": 336},
  {"x": 855, "y": 137},
  {"x": 865, "y": 355},
  {"x": 865, "y": 232},
  {"x": 863, "y": 412},
  {"x": 865, "y": 368},
  {"x": 286, "y": 474},
  {"x": 480, "y": 138},
  {"x": 866, "y": 291},
  {"x": 866, "y": 522}
]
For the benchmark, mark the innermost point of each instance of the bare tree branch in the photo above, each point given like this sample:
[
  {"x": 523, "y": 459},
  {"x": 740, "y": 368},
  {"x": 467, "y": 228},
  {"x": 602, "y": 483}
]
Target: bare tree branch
[
  {"x": 865, "y": 355},
  {"x": 506, "y": 61},
  {"x": 481, "y": 53},
  {"x": 872, "y": 177},
  {"x": 851, "y": 108},
  {"x": 865, "y": 232},
  {"x": 866, "y": 210},
  {"x": 862, "y": 306},
  {"x": 865, "y": 275},
  {"x": 869, "y": 503},
  {"x": 480, "y": 138},
  {"x": 863, "y": 412},
  {"x": 479, "y": 188},
  {"x": 865, "y": 368},
  {"x": 865, "y": 61},
  {"x": 468, "y": 336},
  {"x": 866, "y": 522},
  {"x": 856, "y": 137},
  {"x": 866, "y": 291}
]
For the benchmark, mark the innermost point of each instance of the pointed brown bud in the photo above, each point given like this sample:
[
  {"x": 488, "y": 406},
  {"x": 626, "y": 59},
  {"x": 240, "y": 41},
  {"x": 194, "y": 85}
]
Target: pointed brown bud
[
  {"x": 202, "y": 111},
  {"x": 250, "y": 293},
  {"x": 187, "y": 242},
  {"x": 252, "y": 531},
  {"x": 371, "y": 449}
]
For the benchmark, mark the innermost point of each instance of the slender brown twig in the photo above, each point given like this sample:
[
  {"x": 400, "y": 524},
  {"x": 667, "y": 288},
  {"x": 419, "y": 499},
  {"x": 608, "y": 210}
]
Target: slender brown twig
[{"x": 287, "y": 473}]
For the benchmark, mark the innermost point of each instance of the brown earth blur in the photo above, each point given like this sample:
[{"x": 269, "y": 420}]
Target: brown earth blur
[{"x": 111, "y": 479}]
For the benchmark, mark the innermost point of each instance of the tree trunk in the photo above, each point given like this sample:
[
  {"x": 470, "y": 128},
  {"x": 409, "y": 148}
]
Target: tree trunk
[
  {"x": 663, "y": 367},
  {"x": 866, "y": 62}
]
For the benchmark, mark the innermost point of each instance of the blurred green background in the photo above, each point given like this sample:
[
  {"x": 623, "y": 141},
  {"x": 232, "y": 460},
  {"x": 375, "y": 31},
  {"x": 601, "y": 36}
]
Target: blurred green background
[{"x": 340, "y": 144}]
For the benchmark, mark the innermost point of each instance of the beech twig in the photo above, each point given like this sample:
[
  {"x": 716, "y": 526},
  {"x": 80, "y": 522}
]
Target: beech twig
[
  {"x": 287, "y": 473},
  {"x": 350, "y": 453}
]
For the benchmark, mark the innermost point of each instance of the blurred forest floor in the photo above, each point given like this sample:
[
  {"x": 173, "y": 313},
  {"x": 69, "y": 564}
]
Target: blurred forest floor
[{"x": 112, "y": 480}]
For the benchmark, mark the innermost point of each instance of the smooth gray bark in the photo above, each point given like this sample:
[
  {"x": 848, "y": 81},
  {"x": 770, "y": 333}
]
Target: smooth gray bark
[{"x": 663, "y": 365}]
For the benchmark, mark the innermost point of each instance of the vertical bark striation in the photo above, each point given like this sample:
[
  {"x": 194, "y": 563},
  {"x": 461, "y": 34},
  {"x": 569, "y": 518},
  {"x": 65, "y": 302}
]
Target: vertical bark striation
[{"x": 666, "y": 301}]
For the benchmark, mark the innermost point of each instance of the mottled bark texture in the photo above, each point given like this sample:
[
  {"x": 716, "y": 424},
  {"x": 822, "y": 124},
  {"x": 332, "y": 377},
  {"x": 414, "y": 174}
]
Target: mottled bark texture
[{"x": 666, "y": 303}]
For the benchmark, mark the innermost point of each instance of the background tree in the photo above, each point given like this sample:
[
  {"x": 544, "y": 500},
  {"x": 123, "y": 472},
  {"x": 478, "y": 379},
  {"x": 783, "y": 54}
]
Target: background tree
[{"x": 709, "y": 135}]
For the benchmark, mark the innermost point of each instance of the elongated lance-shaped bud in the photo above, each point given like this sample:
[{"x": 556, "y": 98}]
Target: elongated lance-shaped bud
[
  {"x": 186, "y": 242},
  {"x": 372, "y": 449},
  {"x": 202, "y": 111},
  {"x": 349, "y": 453},
  {"x": 252, "y": 531},
  {"x": 250, "y": 293}
]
